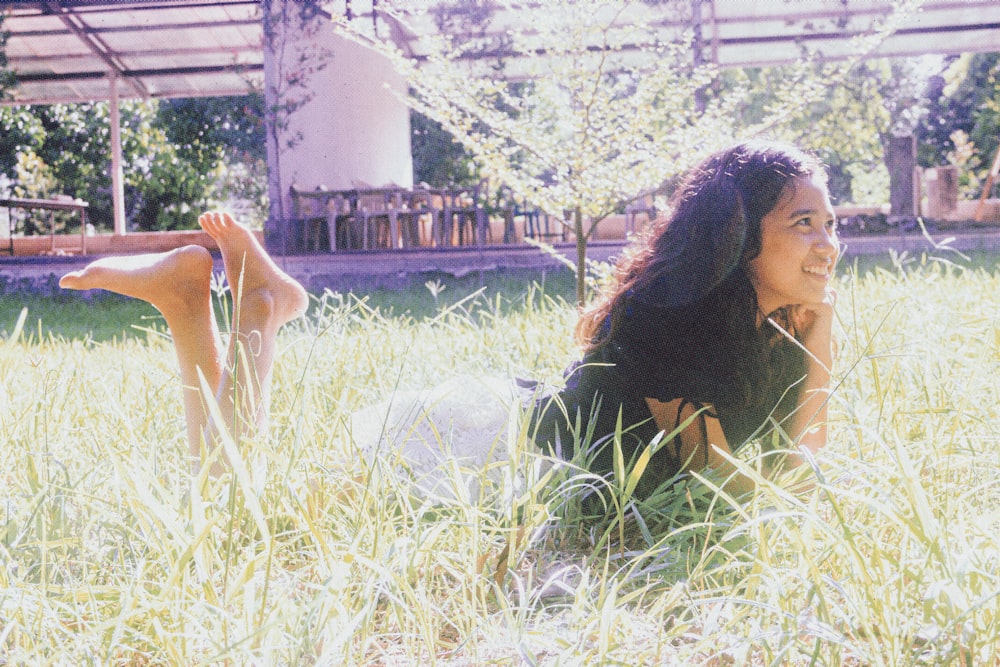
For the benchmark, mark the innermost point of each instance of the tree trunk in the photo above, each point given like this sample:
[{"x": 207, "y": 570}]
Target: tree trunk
[
  {"x": 581, "y": 257},
  {"x": 901, "y": 158}
]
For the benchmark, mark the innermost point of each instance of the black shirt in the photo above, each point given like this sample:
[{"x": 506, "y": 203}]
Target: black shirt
[{"x": 613, "y": 381}]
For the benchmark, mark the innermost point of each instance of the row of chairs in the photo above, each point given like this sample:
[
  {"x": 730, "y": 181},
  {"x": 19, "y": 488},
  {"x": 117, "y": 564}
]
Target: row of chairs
[
  {"x": 393, "y": 217},
  {"x": 389, "y": 217}
]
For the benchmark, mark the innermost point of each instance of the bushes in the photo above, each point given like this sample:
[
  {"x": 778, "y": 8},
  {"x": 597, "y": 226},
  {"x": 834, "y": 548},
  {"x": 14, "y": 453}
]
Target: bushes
[{"x": 175, "y": 153}]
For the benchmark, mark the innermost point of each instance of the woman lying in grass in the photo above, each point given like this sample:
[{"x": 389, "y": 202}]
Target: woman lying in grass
[
  {"x": 717, "y": 330},
  {"x": 723, "y": 314}
]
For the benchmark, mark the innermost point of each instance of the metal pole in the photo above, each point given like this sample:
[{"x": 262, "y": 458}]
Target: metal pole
[{"x": 117, "y": 175}]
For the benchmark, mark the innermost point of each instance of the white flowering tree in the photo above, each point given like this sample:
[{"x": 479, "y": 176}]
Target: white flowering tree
[{"x": 579, "y": 106}]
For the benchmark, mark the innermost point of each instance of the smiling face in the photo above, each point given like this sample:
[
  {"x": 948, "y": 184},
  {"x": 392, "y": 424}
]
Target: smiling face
[{"x": 798, "y": 248}]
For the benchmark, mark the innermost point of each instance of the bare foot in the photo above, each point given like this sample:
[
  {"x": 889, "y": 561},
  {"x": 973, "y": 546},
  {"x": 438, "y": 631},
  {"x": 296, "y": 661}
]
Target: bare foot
[
  {"x": 173, "y": 281},
  {"x": 262, "y": 280}
]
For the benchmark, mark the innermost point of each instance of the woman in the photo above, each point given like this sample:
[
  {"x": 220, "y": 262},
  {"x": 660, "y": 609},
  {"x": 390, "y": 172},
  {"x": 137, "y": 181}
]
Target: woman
[
  {"x": 718, "y": 327},
  {"x": 720, "y": 317}
]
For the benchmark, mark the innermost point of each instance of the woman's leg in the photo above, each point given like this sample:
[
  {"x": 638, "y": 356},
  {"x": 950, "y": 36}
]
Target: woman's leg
[
  {"x": 264, "y": 298},
  {"x": 177, "y": 283}
]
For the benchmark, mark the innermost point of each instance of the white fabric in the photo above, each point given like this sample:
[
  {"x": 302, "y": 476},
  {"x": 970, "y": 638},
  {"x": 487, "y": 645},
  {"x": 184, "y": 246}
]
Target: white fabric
[{"x": 429, "y": 435}]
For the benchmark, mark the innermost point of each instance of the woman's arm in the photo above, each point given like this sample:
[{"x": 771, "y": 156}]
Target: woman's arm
[
  {"x": 702, "y": 444},
  {"x": 813, "y": 324}
]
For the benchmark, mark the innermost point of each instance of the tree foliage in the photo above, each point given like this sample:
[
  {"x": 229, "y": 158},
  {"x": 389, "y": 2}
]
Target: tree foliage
[
  {"x": 217, "y": 140},
  {"x": 174, "y": 154},
  {"x": 849, "y": 127},
  {"x": 7, "y": 77},
  {"x": 587, "y": 126},
  {"x": 954, "y": 113},
  {"x": 438, "y": 159},
  {"x": 838, "y": 127},
  {"x": 962, "y": 126},
  {"x": 582, "y": 105}
]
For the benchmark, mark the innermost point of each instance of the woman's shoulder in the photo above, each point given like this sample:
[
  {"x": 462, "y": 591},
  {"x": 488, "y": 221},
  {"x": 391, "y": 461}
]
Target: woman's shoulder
[{"x": 604, "y": 373}]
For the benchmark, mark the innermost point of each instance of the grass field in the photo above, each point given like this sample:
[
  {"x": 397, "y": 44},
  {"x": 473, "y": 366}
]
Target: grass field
[{"x": 112, "y": 552}]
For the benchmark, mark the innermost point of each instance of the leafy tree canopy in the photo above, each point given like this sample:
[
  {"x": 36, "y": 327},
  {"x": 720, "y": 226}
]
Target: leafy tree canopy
[
  {"x": 7, "y": 78},
  {"x": 174, "y": 153},
  {"x": 962, "y": 126},
  {"x": 599, "y": 110}
]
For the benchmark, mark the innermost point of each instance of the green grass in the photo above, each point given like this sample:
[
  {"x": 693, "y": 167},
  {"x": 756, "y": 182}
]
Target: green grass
[
  {"x": 103, "y": 316},
  {"x": 71, "y": 317},
  {"x": 112, "y": 553}
]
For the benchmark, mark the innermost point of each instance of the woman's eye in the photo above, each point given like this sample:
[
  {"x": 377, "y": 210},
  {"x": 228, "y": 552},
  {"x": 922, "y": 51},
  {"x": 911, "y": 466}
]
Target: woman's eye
[
  {"x": 805, "y": 222},
  {"x": 831, "y": 224}
]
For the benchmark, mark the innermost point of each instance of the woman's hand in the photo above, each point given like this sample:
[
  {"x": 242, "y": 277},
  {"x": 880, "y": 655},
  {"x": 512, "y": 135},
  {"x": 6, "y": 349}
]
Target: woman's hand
[{"x": 813, "y": 325}]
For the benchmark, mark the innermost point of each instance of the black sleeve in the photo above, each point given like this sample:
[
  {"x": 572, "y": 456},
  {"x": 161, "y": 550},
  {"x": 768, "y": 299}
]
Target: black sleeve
[{"x": 666, "y": 358}]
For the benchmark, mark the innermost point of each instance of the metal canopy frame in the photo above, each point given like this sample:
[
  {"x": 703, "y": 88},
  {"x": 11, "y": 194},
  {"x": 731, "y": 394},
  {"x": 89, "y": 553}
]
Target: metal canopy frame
[
  {"x": 87, "y": 50},
  {"x": 65, "y": 50},
  {"x": 729, "y": 33}
]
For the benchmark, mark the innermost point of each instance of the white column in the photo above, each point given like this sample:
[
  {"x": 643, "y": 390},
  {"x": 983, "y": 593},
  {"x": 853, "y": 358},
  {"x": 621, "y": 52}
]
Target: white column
[
  {"x": 355, "y": 128},
  {"x": 117, "y": 174},
  {"x": 349, "y": 125}
]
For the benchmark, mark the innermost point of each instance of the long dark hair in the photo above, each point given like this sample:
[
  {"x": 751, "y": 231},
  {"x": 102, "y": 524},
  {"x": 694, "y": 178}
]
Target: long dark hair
[{"x": 684, "y": 284}]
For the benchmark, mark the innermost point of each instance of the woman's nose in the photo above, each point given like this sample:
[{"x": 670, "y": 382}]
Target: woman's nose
[{"x": 826, "y": 243}]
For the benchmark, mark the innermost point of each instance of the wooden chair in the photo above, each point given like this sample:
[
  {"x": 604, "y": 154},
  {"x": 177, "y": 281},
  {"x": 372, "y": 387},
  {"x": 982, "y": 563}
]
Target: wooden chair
[
  {"x": 405, "y": 218},
  {"x": 468, "y": 211},
  {"x": 427, "y": 206},
  {"x": 378, "y": 213},
  {"x": 506, "y": 207},
  {"x": 644, "y": 204},
  {"x": 343, "y": 233},
  {"x": 308, "y": 216},
  {"x": 539, "y": 225},
  {"x": 371, "y": 214}
]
